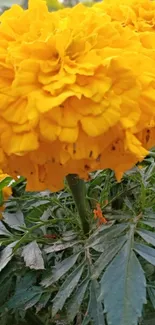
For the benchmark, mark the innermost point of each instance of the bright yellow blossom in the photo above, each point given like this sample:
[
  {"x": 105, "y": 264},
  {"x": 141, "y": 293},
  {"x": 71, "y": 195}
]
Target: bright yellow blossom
[{"x": 77, "y": 89}]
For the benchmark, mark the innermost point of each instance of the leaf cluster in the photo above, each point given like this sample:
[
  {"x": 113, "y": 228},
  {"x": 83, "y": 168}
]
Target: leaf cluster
[{"x": 51, "y": 273}]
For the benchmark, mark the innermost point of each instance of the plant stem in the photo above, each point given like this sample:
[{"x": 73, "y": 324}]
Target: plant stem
[
  {"x": 78, "y": 189},
  {"x": 29, "y": 231},
  {"x": 119, "y": 195}
]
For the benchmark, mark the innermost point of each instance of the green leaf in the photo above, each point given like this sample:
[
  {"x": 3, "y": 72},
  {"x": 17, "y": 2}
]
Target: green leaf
[
  {"x": 76, "y": 301},
  {"x": 150, "y": 170},
  {"x": 118, "y": 215},
  {"x": 110, "y": 250},
  {"x": 148, "y": 253},
  {"x": 66, "y": 289},
  {"x": 60, "y": 269},
  {"x": 6, "y": 255},
  {"x": 27, "y": 281},
  {"x": 3, "y": 230},
  {"x": 33, "y": 256},
  {"x": 22, "y": 297},
  {"x": 151, "y": 292},
  {"x": 69, "y": 236},
  {"x": 33, "y": 301},
  {"x": 7, "y": 273},
  {"x": 149, "y": 322},
  {"x": 36, "y": 212},
  {"x": 25, "y": 291},
  {"x": 123, "y": 288},
  {"x": 129, "y": 204},
  {"x": 148, "y": 236},
  {"x": 14, "y": 220},
  {"x": 86, "y": 320},
  {"x": 149, "y": 222},
  {"x": 5, "y": 290},
  {"x": 18, "y": 182},
  {"x": 149, "y": 319},
  {"x": 5, "y": 182},
  {"x": 100, "y": 230},
  {"x": 1, "y": 198},
  {"x": 95, "y": 309},
  {"x": 59, "y": 246},
  {"x": 43, "y": 301},
  {"x": 106, "y": 236}
]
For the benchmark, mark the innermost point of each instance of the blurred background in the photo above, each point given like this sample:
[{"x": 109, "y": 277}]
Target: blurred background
[{"x": 52, "y": 4}]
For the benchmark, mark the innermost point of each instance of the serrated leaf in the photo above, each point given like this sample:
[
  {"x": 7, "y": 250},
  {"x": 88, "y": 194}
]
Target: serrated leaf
[
  {"x": 6, "y": 255},
  {"x": 66, "y": 289},
  {"x": 5, "y": 289},
  {"x": 123, "y": 287},
  {"x": 3, "y": 230},
  {"x": 118, "y": 215},
  {"x": 95, "y": 309},
  {"x": 43, "y": 301},
  {"x": 33, "y": 301},
  {"x": 151, "y": 292},
  {"x": 7, "y": 273},
  {"x": 148, "y": 253},
  {"x": 26, "y": 282},
  {"x": 23, "y": 296},
  {"x": 148, "y": 236},
  {"x": 107, "y": 235},
  {"x": 129, "y": 204},
  {"x": 76, "y": 301},
  {"x": 33, "y": 256},
  {"x": 14, "y": 220},
  {"x": 150, "y": 170},
  {"x": 36, "y": 213},
  {"x": 25, "y": 290},
  {"x": 110, "y": 250},
  {"x": 149, "y": 222},
  {"x": 68, "y": 236},
  {"x": 59, "y": 246},
  {"x": 100, "y": 230},
  {"x": 60, "y": 269},
  {"x": 86, "y": 320}
]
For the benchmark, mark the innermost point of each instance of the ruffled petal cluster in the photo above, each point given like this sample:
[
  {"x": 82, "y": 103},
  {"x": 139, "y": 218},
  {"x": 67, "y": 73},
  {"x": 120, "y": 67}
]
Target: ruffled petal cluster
[{"x": 77, "y": 89}]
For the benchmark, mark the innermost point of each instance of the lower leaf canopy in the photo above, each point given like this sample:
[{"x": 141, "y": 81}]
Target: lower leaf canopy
[{"x": 123, "y": 288}]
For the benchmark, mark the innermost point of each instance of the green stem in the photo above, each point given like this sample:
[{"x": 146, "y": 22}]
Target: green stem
[
  {"x": 78, "y": 189},
  {"x": 29, "y": 231},
  {"x": 119, "y": 195}
]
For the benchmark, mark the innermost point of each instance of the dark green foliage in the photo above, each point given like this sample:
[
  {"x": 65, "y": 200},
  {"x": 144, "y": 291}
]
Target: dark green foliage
[{"x": 53, "y": 273}]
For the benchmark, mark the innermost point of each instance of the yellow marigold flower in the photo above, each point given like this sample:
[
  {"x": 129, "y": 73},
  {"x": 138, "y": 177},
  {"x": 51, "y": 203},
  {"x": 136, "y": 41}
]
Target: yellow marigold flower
[
  {"x": 77, "y": 89},
  {"x": 139, "y": 15}
]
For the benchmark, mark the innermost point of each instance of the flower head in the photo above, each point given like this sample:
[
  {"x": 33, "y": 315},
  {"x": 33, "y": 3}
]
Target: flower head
[{"x": 77, "y": 89}]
